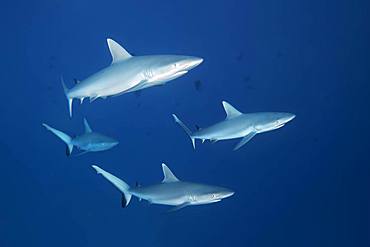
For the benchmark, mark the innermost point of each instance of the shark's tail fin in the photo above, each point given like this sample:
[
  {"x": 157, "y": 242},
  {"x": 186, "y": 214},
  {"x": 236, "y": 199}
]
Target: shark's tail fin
[
  {"x": 187, "y": 130},
  {"x": 70, "y": 100},
  {"x": 118, "y": 183},
  {"x": 66, "y": 138}
]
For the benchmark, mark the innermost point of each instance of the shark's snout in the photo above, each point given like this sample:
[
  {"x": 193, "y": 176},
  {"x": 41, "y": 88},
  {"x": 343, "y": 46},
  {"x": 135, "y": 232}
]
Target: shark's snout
[
  {"x": 192, "y": 62},
  {"x": 288, "y": 117},
  {"x": 226, "y": 194},
  {"x": 113, "y": 143}
]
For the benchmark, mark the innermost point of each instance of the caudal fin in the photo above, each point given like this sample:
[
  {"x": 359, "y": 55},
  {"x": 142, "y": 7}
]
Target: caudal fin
[
  {"x": 63, "y": 136},
  {"x": 187, "y": 130},
  {"x": 70, "y": 100},
  {"x": 118, "y": 183}
]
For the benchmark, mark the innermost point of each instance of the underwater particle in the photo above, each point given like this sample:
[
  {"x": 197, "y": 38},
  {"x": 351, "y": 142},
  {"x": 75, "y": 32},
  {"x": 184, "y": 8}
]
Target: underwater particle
[
  {"x": 177, "y": 104},
  {"x": 240, "y": 57},
  {"x": 198, "y": 85},
  {"x": 247, "y": 78},
  {"x": 247, "y": 82},
  {"x": 279, "y": 54},
  {"x": 52, "y": 60},
  {"x": 137, "y": 93}
]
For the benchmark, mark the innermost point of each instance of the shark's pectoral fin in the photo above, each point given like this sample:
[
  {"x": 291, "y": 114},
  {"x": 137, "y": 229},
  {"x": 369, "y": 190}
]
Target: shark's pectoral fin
[
  {"x": 245, "y": 139},
  {"x": 141, "y": 85},
  {"x": 82, "y": 153},
  {"x": 87, "y": 126},
  {"x": 178, "y": 207}
]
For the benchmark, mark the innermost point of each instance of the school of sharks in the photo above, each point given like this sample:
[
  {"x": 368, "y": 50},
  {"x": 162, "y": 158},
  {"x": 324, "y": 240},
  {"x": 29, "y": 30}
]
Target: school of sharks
[{"x": 128, "y": 73}]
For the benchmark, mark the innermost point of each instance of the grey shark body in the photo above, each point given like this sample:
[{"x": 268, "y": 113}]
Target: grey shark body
[
  {"x": 238, "y": 125},
  {"x": 129, "y": 73},
  {"x": 87, "y": 142},
  {"x": 171, "y": 191}
]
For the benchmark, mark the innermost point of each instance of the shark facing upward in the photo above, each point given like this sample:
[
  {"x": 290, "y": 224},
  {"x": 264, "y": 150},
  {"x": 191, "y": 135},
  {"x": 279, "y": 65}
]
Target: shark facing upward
[
  {"x": 129, "y": 73},
  {"x": 171, "y": 191},
  {"x": 238, "y": 125}
]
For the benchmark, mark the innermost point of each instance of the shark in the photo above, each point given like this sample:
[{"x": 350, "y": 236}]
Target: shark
[
  {"x": 238, "y": 125},
  {"x": 89, "y": 141},
  {"x": 171, "y": 191},
  {"x": 128, "y": 73}
]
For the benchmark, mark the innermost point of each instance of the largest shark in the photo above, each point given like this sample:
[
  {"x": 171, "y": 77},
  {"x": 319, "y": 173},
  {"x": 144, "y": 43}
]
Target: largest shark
[
  {"x": 171, "y": 191},
  {"x": 238, "y": 125},
  {"x": 129, "y": 73}
]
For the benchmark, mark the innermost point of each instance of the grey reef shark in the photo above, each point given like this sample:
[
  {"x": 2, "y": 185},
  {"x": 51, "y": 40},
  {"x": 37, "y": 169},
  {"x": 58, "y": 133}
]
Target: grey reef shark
[
  {"x": 171, "y": 191},
  {"x": 238, "y": 125},
  {"x": 89, "y": 141},
  {"x": 128, "y": 73}
]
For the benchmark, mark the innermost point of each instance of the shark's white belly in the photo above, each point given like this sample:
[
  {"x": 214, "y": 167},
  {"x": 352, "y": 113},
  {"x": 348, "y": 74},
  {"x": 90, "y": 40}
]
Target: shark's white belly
[
  {"x": 164, "y": 193},
  {"x": 163, "y": 200},
  {"x": 220, "y": 132},
  {"x": 110, "y": 81}
]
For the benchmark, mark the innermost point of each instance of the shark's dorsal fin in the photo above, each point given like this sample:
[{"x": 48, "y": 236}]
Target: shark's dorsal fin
[
  {"x": 168, "y": 176},
  {"x": 118, "y": 52},
  {"x": 87, "y": 126},
  {"x": 231, "y": 112}
]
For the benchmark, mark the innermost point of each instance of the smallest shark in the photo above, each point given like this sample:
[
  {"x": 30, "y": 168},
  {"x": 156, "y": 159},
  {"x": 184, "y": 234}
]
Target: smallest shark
[
  {"x": 88, "y": 142},
  {"x": 238, "y": 125}
]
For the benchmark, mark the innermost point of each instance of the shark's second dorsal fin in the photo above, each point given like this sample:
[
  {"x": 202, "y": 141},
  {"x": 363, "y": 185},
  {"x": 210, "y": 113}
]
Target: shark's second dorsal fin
[
  {"x": 168, "y": 176},
  {"x": 87, "y": 126},
  {"x": 118, "y": 52},
  {"x": 231, "y": 112}
]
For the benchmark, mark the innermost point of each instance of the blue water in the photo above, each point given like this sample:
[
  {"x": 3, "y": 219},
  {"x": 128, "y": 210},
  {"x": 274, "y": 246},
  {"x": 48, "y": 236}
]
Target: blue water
[{"x": 306, "y": 184}]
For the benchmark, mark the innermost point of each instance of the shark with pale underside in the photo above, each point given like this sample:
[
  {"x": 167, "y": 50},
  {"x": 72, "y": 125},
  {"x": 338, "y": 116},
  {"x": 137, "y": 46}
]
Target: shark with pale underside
[
  {"x": 89, "y": 141},
  {"x": 128, "y": 73},
  {"x": 171, "y": 191},
  {"x": 238, "y": 125}
]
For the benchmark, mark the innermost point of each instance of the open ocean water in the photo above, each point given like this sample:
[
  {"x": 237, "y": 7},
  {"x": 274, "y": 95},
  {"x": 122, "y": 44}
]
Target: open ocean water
[{"x": 306, "y": 184}]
